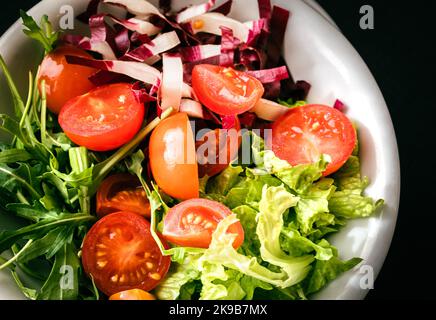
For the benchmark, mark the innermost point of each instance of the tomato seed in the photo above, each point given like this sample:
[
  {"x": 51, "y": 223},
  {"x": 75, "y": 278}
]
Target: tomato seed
[
  {"x": 155, "y": 276},
  {"x": 197, "y": 220},
  {"x": 149, "y": 265}
]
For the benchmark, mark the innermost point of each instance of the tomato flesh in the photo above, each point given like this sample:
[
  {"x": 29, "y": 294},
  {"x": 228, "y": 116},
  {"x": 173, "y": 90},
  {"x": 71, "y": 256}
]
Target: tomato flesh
[
  {"x": 133, "y": 294},
  {"x": 120, "y": 254},
  {"x": 304, "y": 133},
  {"x": 103, "y": 119},
  {"x": 217, "y": 149},
  {"x": 64, "y": 81},
  {"x": 173, "y": 160},
  {"x": 225, "y": 90},
  {"x": 192, "y": 223},
  {"x": 122, "y": 192}
]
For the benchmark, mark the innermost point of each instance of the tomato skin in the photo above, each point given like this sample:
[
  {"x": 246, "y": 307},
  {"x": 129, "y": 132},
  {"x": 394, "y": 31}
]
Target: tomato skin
[
  {"x": 64, "y": 81},
  {"x": 120, "y": 254},
  {"x": 122, "y": 192},
  {"x": 304, "y": 133},
  {"x": 225, "y": 90},
  {"x": 173, "y": 160},
  {"x": 132, "y": 294},
  {"x": 103, "y": 119},
  {"x": 225, "y": 145},
  {"x": 181, "y": 227}
]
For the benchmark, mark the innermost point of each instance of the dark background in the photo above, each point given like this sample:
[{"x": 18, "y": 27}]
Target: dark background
[{"x": 400, "y": 53}]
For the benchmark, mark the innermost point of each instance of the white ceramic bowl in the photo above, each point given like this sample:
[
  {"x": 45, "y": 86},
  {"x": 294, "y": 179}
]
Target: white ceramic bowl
[{"x": 317, "y": 52}]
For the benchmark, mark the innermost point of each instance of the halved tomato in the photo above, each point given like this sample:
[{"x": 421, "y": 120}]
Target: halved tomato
[
  {"x": 217, "y": 149},
  {"x": 120, "y": 254},
  {"x": 133, "y": 294},
  {"x": 225, "y": 90},
  {"x": 122, "y": 192},
  {"x": 304, "y": 133},
  {"x": 173, "y": 160},
  {"x": 103, "y": 119},
  {"x": 192, "y": 223},
  {"x": 64, "y": 81}
]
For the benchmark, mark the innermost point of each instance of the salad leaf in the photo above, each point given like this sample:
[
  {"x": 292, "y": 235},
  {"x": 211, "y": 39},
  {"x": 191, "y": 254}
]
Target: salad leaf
[
  {"x": 313, "y": 206},
  {"x": 275, "y": 201},
  {"x": 296, "y": 245},
  {"x": 222, "y": 253},
  {"x": 291, "y": 103},
  {"x": 43, "y": 34},
  {"x": 325, "y": 271},
  {"x": 178, "y": 276},
  {"x": 348, "y": 201},
  {"x": 61, "y": 284}
]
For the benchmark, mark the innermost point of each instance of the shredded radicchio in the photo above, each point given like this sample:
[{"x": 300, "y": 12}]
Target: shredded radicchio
[{"x": 198, "y": 34}]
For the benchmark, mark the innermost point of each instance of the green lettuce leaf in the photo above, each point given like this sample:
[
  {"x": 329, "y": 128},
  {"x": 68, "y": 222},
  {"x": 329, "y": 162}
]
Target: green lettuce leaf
[
  {"x": 178, "y": 276},
  {"x": 325, "y": 271},
  {"x": 348, "y": 201}
]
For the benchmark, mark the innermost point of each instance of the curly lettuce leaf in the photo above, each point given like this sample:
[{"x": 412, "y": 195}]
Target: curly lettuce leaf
[{"x": 348, "y": 201}]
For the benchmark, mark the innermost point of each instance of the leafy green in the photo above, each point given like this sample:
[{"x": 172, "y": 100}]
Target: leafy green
[
  {"x": 43, "y": 34},
  {"x": 348, "y": 201},
  {"x": 62, "y": 283},
  {"x": 291, "y": 103},
  {"x": 178, "y": 276},
  {"x": 325, "y": 271}
]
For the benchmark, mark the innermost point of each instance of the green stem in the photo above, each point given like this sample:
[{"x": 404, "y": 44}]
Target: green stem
[
  {"x": 15, "y": 257},
  {"x": 103, "y": 168},
  {"x": 79, "y": 162},
  {"x": 43, "y": 113},
  {"x": 28, "y": 101},
  {"x": 22, "y": 198}
]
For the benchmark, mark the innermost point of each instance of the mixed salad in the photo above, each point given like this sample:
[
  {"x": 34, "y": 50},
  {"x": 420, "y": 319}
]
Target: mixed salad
[{"x": 170, "y": 155}]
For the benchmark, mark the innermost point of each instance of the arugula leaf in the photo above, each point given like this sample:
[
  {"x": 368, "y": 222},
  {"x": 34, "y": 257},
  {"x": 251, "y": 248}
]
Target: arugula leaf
[
  {"x": 14, "y": 155},
  {"x": 34, "y": 212},
  {"x": 28, "y": 292},
  {"x": 48, "y": 244},
  {"x": 9, "y": 237},
  {"x": 44, "y": 34},
  {"x": 61, "y": 283},
  {"x": 23, "y": 176}
]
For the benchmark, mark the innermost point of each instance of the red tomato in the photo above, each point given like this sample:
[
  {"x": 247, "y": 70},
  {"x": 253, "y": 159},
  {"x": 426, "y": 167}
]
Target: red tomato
[
  {"x": 103, "y": 119},
  {"x": 225, "y": 90},
  {"x": 304, "y": 133},
  {"x": 120, "y": 254},
  {"x": 218, "y": 148},
  {"x": 122, "y": 192},
  {"x": 133, "y": 294},
  {"x": 192, "y": 223},
  {"x": 172, "y": 157},
  {"x": 64, "y": 81}
]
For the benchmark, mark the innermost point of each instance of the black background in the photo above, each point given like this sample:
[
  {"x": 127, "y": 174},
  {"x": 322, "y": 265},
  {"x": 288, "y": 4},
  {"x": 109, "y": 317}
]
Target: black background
[{"x": 400, "y": 53}]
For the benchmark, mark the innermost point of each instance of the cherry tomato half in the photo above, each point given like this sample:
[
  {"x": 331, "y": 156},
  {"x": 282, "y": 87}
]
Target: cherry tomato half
[
  {"x": 173, "y": 159},
  {"x": 132, "y": 294},
  {"x": 122, "y": 192},
  {"x": 120, "y": 254},
  {"x": 304, "y": 133},
  {"x": 192, "y": 223},
  {"x": 104, "y": 118},
  {"x": 64, "y": 81},
  {"x": 217, "y": 149},
  {"x": 225, "y": 90}
]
